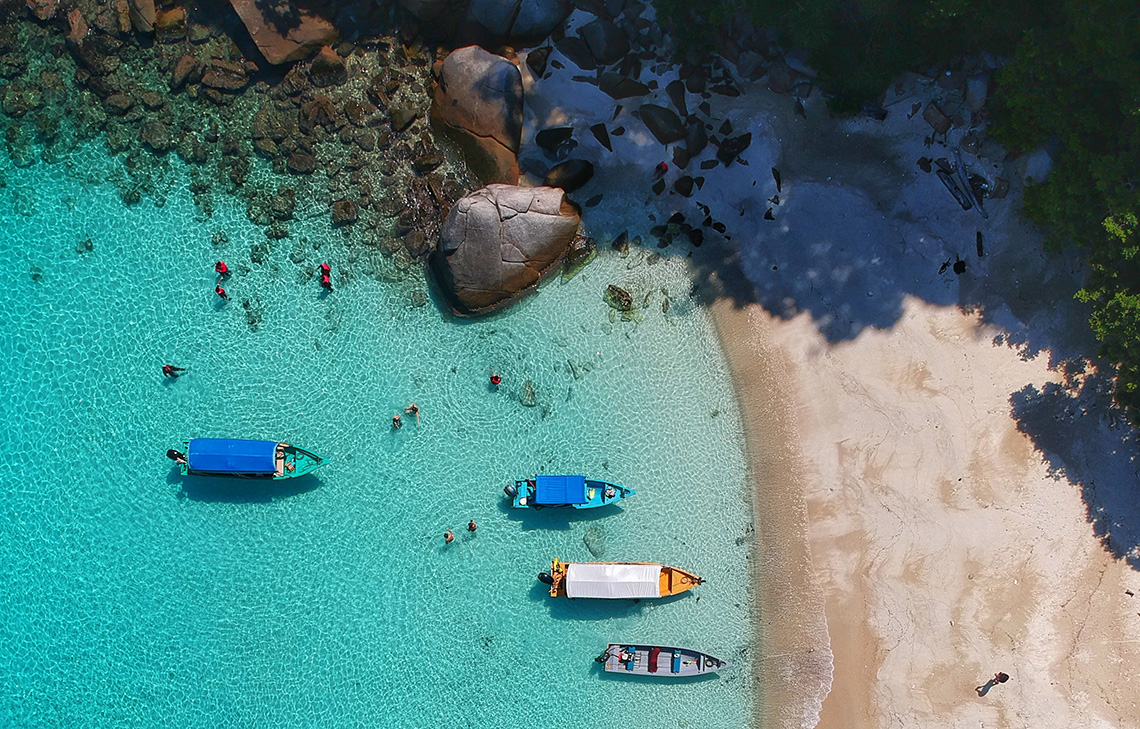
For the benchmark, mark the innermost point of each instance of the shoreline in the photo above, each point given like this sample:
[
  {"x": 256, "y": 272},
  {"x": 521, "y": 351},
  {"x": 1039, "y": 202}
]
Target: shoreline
[
  {"x": 926, "y": 584},
  {"x": 793, "y": 671}
]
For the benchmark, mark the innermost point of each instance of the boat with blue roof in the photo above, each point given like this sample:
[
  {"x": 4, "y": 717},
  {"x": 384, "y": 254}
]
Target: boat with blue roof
[
  {"x": 565, "y": 492},
  {"x": 262, "y": 459}
]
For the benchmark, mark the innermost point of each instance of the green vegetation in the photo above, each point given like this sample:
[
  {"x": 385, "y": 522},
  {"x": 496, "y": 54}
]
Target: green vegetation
[{"x": 1073, "y": 80}]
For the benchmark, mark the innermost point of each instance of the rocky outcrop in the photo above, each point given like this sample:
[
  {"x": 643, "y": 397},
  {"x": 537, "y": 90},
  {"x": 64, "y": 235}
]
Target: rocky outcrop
[
  {"x": 497, "y": 243},
  {"x": 283, "y": 41},
  {"x": 43, "y": 9},
  {"x": 477, "y": 101}
]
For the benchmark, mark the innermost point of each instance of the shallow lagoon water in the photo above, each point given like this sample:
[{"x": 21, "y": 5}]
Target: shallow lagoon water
[{"x": 132, "y": 597}]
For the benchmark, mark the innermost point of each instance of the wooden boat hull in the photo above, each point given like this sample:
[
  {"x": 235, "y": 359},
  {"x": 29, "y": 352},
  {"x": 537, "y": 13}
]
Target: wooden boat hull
[
  {"x": 657, "y": 661},
  {"x": 597, "y": 494},
  {"x": 670, "y": 580},
  {"x": 292, "y": 462}
]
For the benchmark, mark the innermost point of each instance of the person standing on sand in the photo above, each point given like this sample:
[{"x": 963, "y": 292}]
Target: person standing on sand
[{"x": 985, "y": 688}]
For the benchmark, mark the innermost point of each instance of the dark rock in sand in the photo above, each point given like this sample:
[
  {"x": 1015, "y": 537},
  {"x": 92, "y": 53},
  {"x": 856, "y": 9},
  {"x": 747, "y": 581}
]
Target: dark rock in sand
[
  {"x": 577, "y": 51},
  {"x": 344, "y": 212},
  {"x": 328, "y": 69},
  {"x": 603, "y": 136},
  {"x": 282, "y": 42},
  {"x": 659, "y": 187},
  {"x": 733, "y": 147},
  {"x": 684, "y": 185},
  {"x": 119, "y": 103},
  {"x": 551, "y": 138},
  {"x": 680, "y": 156},
  {"x": 696, "y": 139},
  {"x": 478, "y": 102},
  {"x": 569, "y": 175},
  {"x": 781, "y": 77},
  {"x": 518, "y": 22},
  {"x": 43, "y": 9},
  {"x": 676, "y": 91},
  {"x": 498, "y": 242},
  {"x": 536, "y": 60},
  {"x": 606, "y": 41},
  {"x": 664, "y": 124},
  {"x": 621, "y": 87}
]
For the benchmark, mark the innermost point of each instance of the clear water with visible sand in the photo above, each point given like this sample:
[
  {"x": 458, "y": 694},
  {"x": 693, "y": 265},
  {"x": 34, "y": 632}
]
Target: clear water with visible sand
[{"x": 130, "y": 597}]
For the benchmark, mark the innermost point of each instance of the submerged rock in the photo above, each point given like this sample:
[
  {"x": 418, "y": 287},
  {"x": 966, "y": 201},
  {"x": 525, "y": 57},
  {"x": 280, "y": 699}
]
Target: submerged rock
[
  {"x": 618, "y": 298},
  {"x": 595, "y": 541},
  {"x": 527, "y": 395},
  {"x": 498, "y": 242}
]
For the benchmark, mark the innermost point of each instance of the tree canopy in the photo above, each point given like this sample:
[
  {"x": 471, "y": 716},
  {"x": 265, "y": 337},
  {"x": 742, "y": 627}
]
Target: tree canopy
[{"x": 1072, "y": 81}]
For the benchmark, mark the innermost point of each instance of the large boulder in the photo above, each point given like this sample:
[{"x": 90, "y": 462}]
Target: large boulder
[
  {"x": 519, "y": 22},
  {"x": 284, "y": 31},
  {"x": 477, "y": 101},
  {"x": 497, "y": 243}
]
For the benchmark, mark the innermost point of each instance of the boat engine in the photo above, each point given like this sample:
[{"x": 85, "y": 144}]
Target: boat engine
[
  {"x": 510, "y": 490},
  {"x": 545, "y": 578}
]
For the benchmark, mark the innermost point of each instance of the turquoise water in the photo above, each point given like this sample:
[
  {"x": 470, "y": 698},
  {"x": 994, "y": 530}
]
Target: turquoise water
[{"x": 131, "y": 598}]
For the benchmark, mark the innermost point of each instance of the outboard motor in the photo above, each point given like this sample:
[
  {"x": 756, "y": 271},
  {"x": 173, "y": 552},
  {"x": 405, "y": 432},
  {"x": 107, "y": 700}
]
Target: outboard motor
[
  {"x": 510, "y": 490},
  {"x": 545, "y": 578}
]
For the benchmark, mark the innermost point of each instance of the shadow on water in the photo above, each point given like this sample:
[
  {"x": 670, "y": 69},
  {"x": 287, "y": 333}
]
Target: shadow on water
[
  {"x": 600, "y": 673},
  {"x": 1068, "y": 423},
  {"x": 554, "y": 518},
  {"x": 240, "y": 490}
]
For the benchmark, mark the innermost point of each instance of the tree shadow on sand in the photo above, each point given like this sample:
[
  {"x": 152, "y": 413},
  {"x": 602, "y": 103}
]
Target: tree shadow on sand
[{"x": 1086, "y": 444}]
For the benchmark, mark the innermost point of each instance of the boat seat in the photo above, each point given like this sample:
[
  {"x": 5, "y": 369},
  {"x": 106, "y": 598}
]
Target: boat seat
[{"x": 676, "y": 661}]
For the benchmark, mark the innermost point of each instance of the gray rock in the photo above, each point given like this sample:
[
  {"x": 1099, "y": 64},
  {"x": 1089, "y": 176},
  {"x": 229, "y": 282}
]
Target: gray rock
[
  {"x": 498, "y": 242},
  {"x": 478, "y": 103},
  {"x": 664, "y": 124},
  {"x": 527, "y": 395},
  {"x": 577, "y": 51},
  {"x": 621, "y": 87},
  {"x": 935, "y": 118}
]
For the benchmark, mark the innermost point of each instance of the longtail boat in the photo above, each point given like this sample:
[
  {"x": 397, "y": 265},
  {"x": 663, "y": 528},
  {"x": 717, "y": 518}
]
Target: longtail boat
[
  {"x": 564, "y": 492},
  {"x": 262, "y": 459},
  {"x": 657, "y": 660},
  {"x": 616, "y": 580}
]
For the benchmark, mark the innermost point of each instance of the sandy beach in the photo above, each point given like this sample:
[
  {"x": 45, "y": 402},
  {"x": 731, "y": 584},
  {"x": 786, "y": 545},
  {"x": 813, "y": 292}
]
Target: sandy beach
[
  {"x": 971, "y": 504},
  {"x": 941, "y": 490}
]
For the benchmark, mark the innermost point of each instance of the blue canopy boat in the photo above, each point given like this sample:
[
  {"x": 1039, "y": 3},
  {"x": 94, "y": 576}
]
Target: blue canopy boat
[
  {"x": 564, "y": 492},
  {"x": 244, "y": 459}
]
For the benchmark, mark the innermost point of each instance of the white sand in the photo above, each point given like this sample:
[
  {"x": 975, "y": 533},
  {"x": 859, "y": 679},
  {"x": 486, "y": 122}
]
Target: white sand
[{"x": 949, "y": 448}]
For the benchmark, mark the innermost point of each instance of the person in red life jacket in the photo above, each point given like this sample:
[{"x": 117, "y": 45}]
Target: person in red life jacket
[
  {"x": 496, "y": 378},
  {"x": 660, "y": 170},
  {"x": 222, "y": 269},
  {"x": 221, "y": 292},
  {"x": 172, "y": 371},
  {"x": 326, "y": 277}
]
